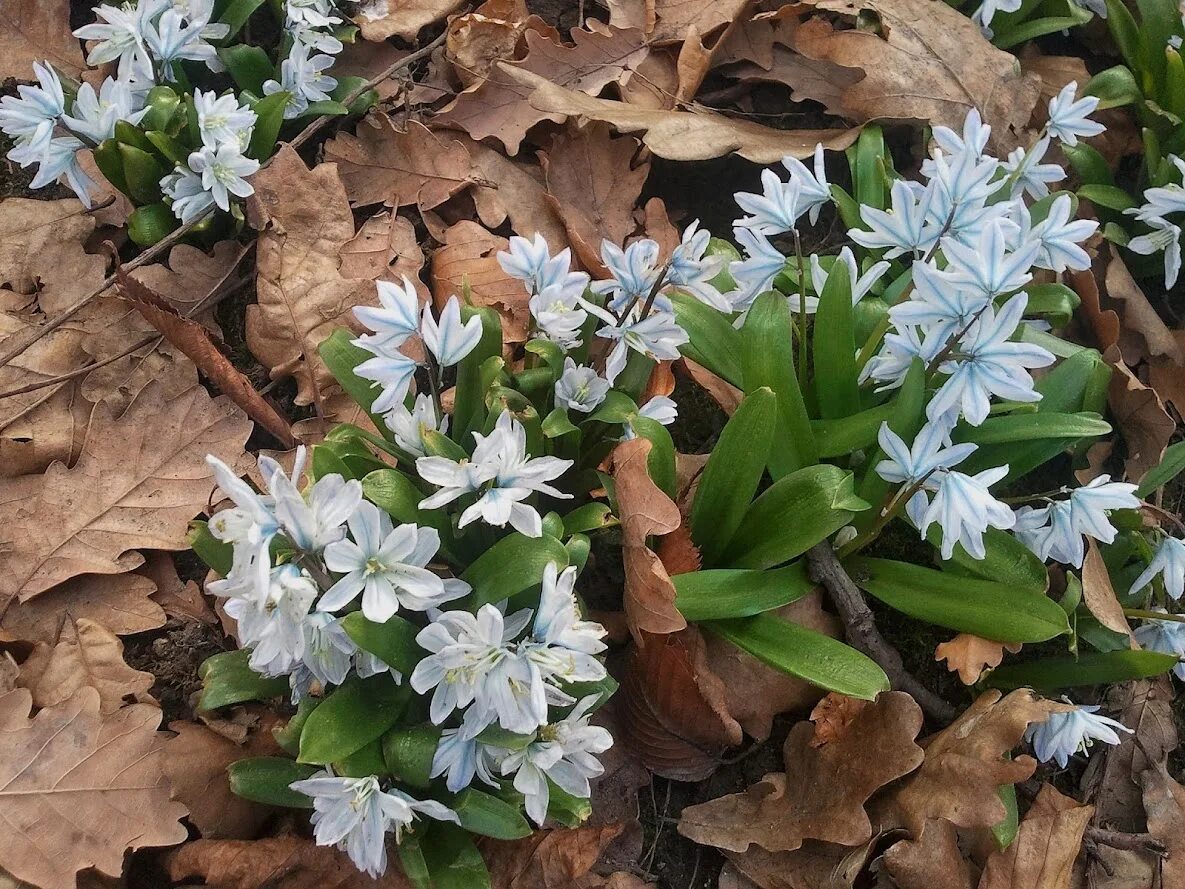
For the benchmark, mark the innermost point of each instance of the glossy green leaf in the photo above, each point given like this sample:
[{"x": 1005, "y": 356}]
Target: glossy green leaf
[
  {"x": 834, "y": 338},
  {"x": 142, "y": 172},
  {"x": 1114, "y": 87},
  {"x": 265, "y": 779},
  {"x": 1171, "y": 465},
  {"x": 151, "y": 224},
  {"x": 805, "y": 654},
  {"x": 469, "y": 405},
  {"x": 486, "y": 815},
  {"x": 839, "y": 437},
  {"x": 363, "y": 762},
  {"x": 217, "y": 555},
  {"x": 660, "y": 462},
  {"x": 1006, "y": 560},
  {"x": 248, "y": 65},
  {"x": 269, "y": 113},
  {"x": 590, "y": 517},
  {"x": 236, "y": 14},
  {"x": 227, "y": 679},
  {"x": 1090, "y": 166},
  {"x": 408, "y": 752},
  {"x": 511, "y": 565},
  {"x": 1088, "y": 669},
  {"x": 713, "y": 341},
  {"x": 341, "y": 357},
  {"x": 1005, "y": 831},
  {"x": 1038, "y": 426},
  {"x": 1054, "y": 302},
  {"x": 716, "y": 594},
  {"x": 453, "y": 861},
  {"x": 350, "y": 717},
  {"x": 1108, "y": 196},
  {"x": 411, "y": 859},
  {"x": 160, "y": 104},
  {"x": 288, "y": 736},
  {"x": 395, "y": 494},
  {"x": 392, "y": 642}
]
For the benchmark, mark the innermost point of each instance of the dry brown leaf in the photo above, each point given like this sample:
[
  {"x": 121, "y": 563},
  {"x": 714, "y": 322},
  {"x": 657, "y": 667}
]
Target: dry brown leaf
[
  {"x": 814, "y": 866},
  {"x": 940, "y": 53},
  {"x": 1143, "y": 333},
  {"x": 379, "y": 19},
  {"x": 682, "y": 135},
  {"x": 656, "y": 225},
  {"x": 821, "y": 794},
  {"x": 1140, "y": 417},
  {"x": 970, "y": 655},
  {"x": 549, "y": 859},
  {"x": 1168, "y": 379},
  {"x": 654, "y": 81},
  {"x": 593, "y": 182},
  {"x": 674, "y": 716},
  {"x": 675, "y": 17},
  {"x": 192, "y": 276},
  {"x": 79, "y": 790},
  {"x": 468, "y": 263},
  {"x": 139, "y": 481},
  {"x": 632, "y": 14},
  {"x": 644, "y": 511},
  {"x": 41, "y": 251},
  {"x": 37, "y": 31},
  {"x": 678, "y": 553},
  {"x": 180, "y": 599},
  {"x": 1164, "y": 803},
  {"x": 385, "y": 248},
  {"x": 86, "y": 655},
  {"x": 497, "y": 106},
  {"x": 122, "y": 603},
  {"x": 380, "y": 164},
  {"x": 304, "y": 220},
  {"x": 1099, "y": 594},
  {"x": 932, "y": 861},
  {"x": 833, "y": 717},
  {"x": 724, "y": 393},
  {"x": 478, "y": 39},
  {"x": 195, "y": 763},
  {"x": 965, "y": 764},
  {"x": 1104, "y": 322},
  {"x": 9, "y": 671},
  {"x": 1042, "y": 855}
]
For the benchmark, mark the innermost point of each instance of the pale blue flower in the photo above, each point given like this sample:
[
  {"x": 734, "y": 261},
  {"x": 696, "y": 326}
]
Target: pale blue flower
[
  {"x": 532, "y": 263},
  {"x": 561, "y": 644},
  {"x": 987, "y": 266},
  {"x": 221, "y": 119},
  {"x": 1091, "y": 502},
  {"x": 964, "y": 509},
  {"x": 1049, "y": 532},
  {"x": 559, "y": 314},
  {"x": 1164, "y": 236},
  {"x": 462, "y": 757},
  {"x": 754, "y": 274},
  {"x": 775, "y": 210},
  {"x": 939, "y": 302},
  {"x": 1165, "y": 636},
  {"x": 174, "y": 37},
  {"x": 185, "y": 191},
  {"x": 901, "y": 229},
  {"x": 659, "y": 408},
  {"x": 690, "y": 271},
  {"x": 635, "y": 271},
  {"x": 311, "y": 13},
  {"x": 303, "y": 77},
  {"x": 897, "y": 354},
  {"x": 814, "y": 192},
  {"x": 923, "y": 461},
  {"x": 861, "y": 285},
  {"x": 390, "y": 370},
  {"x": 408, "y": 426},
  {"x": 1064, "y": 734},
  {"x": 987, "y": 10},
  {"x": 1059, "y": 238},
  {"x": 272, "y": 626},
  {"x": 94, "y": 115},
  {"x": 59, "y": 161},
  {"x": 973, "y": 139},
  {"x": 448, "y": 339},
  {"x": 656, "y": 336},
  {"x": 30, "y": 119},
  {"x": 224, "y": 170},
  {"x": 961, "y": 187},
  {"x": 1069, "y": 119},
  {"x": 1169, "y": 562},
  {"x": 1165, "y": 199},
  {"x": 579, "y": 388},
  {"x": 314, "y": 519},
  {"x": 396, "y": 318},
  {"x": 119, "y": 34},
  {"x": 1030, "y": 176}
]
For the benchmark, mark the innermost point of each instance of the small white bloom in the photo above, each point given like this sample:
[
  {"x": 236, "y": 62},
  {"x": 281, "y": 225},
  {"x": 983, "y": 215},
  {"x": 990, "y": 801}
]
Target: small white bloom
[
  {"x": 1064, "y": 734},
  {"x": 690, "y": 271},
  {"x": 964, "y": 509},
  {"x": 1059, "y": 238},
  {"x": 656, "y": 336},
  {"x": 119, "y": 34},
  {"x": 223, "y": 171},
  {"x": 775, "y": 210},
  {"x": 30, "y": 119},
  {"x": 634, "y": 271},
  {"x": 1164, "y": 236},
  {"x": 408, "y": 426},
  {"x": 58, "y": 160},
  {"x": 311, "y": 13},
  {"x": 315, "y": 519},
  {"x": 1165, "y": 199},
  {"x": 940, "y": 303},
  {"x": 1165, "y": 636},
  {"x": 1169, "y": 562},
  {"x": 973, "y": 139},
  {"x": 303, "y": 77},
  {"x": 897, "y": 354},
  {"x": 987, "y": 11},
  {"x": 222, "y": 120},
  {"x": 904, "y": 228},
  {"x": 174, "y": 37},
  {"x": 987, "y": 266},
  {"x": 861, "y": 284},
  {"x": 94, "y": 115},
  {"x": 924, "y": 461},
  {"x": 1030, "y": 176},
  {"x": 396, "y": 318},
  {"x": 754, "y": 274},
  {"x": 327, "y": 657},
  {"x": 1069, "y": 119},
  {"x": 390, "y": 370},
  {"x": 562, "y": 645},
  {"x": 189, "y": 197},
  {"x": 559, "y": 314},
  {"x": 273, "y": 627},
  {"x": 463, "y": 757},
  {"x": 1090, "y": 503},
  {"x": 449, "y": 340},
  {"x": 532, "y": 263},
  {"x": 813, "y": 189},
  {"x": 1049, "y": 532},
  {"x": 579, "y": 388}
]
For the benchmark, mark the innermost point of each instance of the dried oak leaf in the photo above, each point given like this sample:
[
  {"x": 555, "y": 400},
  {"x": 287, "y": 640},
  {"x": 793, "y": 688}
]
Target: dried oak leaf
[
  {"x": 192, "y": 276},
  {"x": 78, "y": 789},
  {"x": 681, "y": 135},
  {"x": 180, "y": 599},
  {"x": 547, "y": 859},
  {"x": 380, "y": 164},
  {"x": 123, "y": 603},
  {"x": 1164, "y": 803},
  {"x": 385, "y": 248},
  {"x": 304, "y": 220},
  {"x": 970, "y": 655},
  {"x": 37, "y": 31},
  {"x": 1143, "y": 335},
  {"x": 724, "y": 393},
  {"x": 675, "y": 17},
  {"x": 833, "y": 717},
  {"x": 468, "y": 262},
  {"x": 379, "y": 19},
  {"x": 1046, "y": 846},
  {"x": 644, "y": 510},
  {"x": 821, "y": 794},
  {"x": 932, "y": 861},
  {"x": 42, "y": 252},
  {"x": 948, "y": 64},
  {"x": 632, "y": 14},
  {"x": 813, "y": 866},
  {"x": 1099, "y": 594},
  {"x": 497, "y": 106},
  {"x": 477, "y": 39},
  {"x": 86, "y": 655},
  {"x": 593, "y": 182},
  {"x": 1139, "y": 415},
  {"x": 140, "y": 479}
]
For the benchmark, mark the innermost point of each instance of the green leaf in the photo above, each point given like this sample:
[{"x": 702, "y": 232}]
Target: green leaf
[
  {"x": 469, "y": 405},
  {"x": 1055, "y": 302},
  {"x": 265, "y": 779},
  {"x": 288, "y": 736},
  {"x": 395, "y": 494},
  {"x": 566, "y": 809},
  {"x": 999, "y": 611},
  {"x": 1114, "y": 87},
  {"x": 488, "y": 816},
  {"x": 1170, "y": 466},
  {"x": 1006, "y": 560},
  {"x": 352, "y": 716},
  {"x": 174, "y": 151},
  {"x": 616, "y": 408},
  {"x": 805, "y": 654},
  {"x": 392, "y": 642},
  {"x": 1005, "y": 831},
  {"x": 590, "y": 517},
  {"x": 217, "y": 555},
  {"x": 868, "y": 170},
  {"x": 834, "y": 335},
  {"x": 142, "y": 172},
  {"x": 511, "y": 565},
  {"x": 161, "y": 104},
  {"x": 269, "y": 113},
  {"x": 341, "y": 357},
  {"x": 839, "y": 437},
  {"x": 326, "y": 461},
  {"x": 236, "y": 15},
  {"x": 767, "y": 357},
  {"x": 411, "y": 859},
  {"x": 557, "y": 423},
  {"x": 733, "y": 472},
  {"x": 1109, "y": 196},
  {"x": 363, "y": 762},
  {"x": 1039, "y": 426},
  {"x": 1088, "y": 669},
  {"x": 1127, "y": 36},
  {"x": 408, "y": 753},
  {"x": 721, "y": 593},
  {"x": 151, "y": 224},
  {"x": 713, "y": 341},
  {"x": 110, "y": 164},
  {"x": 1091, "y": 167},
  {"x": 453, "y": 861},
  {"x": 248, "y": 65},
  {"x": 660, "y": 462},
  {"x": 792, "y": 515},
  {"x": 227, "y": 679}
]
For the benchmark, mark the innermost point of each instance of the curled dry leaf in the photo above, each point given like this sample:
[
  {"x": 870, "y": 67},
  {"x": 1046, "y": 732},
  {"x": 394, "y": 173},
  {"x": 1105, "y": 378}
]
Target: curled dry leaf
[
  {"x": 478, "y": 39},
  {"x": 970, "y": 655},
  {"x": 468, "y": 264},
  {"x": 813, "y": 866},
  {"x": 86, "y": 655},
  {"x": 549, "y": 859},
  {"x": 42, "y": 249},
  {"x": 932, "y": 861},
  {"x": 379, "y": 19},
  {"x": 724, "y": 393},
  {"x": 385, "y": 248},
  {"x": 833, "y": 717},
  {"x": 821, "y": 794},
  {"x": 140, "y": 479},
  {"x": 80, "y": 789},
  {"x": 192, "y": 276},
  {"x": 180, "y": 599},
  {"x": 36, "y": 31},
  {"x": 1142, "y": 333},
  {"x": 1139, "y": 415},
  {"x": 1046, "y": 846},
  {"x": 682, "y": 135},
  {"x": 1099, "y": 594},
  {"x": 673, "y": 18},
  {"x": 122, "y": 603}
]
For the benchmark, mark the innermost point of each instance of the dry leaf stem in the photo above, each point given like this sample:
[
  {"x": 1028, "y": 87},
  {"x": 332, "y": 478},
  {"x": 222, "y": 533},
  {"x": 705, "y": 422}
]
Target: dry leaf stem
[
  {"x": 165, "y": 243},
  {"x": 1131, "y": 842},
  {"x": 862, "y": 633}
]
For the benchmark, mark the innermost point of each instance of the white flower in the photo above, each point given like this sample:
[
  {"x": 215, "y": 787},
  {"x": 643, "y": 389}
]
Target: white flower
[
  {"x": 813, "y": 188},
  {"x": 960, "y": 188},
  {"x": 897, "y": 354},
  {"x": 1069, "y": 119},
  {"x": 387, "y": 566},
  {"x": 462, "y": 757},
  {"x": 30, "y": 119},
  {"x": 94, "y": 115},
  {"x": 312, "y": 13},
  {"x": 562, "y": 645},
  {"x": 924, "y": 461},
  {"x": 328, "y": 652},
  {"x": 559, "y": 314},
  {"x": 1027, "y": 173},
  {"x": 532, "y": 263},
  {"x": 660, "y": 409},
  {"x": 755, "y": 273},
  {"x": 634, "y": 271},
  {"x": 408, "y": 426},
  {"x": 184, "y": 188},
  {"x": 986, "y": 266},
  {"x": 940, "y": 303},
  {"x": 303, "y": 77},
  {"x": 58, "y": 160},
  {"x": 249, "y": 528},
  {"x": 175, "y": 37},
  {"x": 222, "y": 120},
  {"x": 314, "y": 520},
  {"x": 973, "y": 139},
  {"x": 316, "y": 39},
  {"x": 396, "y": 318},
  {"x": 861, "y": 284},
  {"x": 1090, "y": 504},
  {"x": 987, "y": 11},
  {"x": 273, "y": 627},
  {"x": 390, "y": 370},
  {"x": 773, "y": 211},
  {"x": 1049, "y": 532},
  {"x": 903, "y": 228},
  {"x": 1165, "y": 199},
  {"x": 223, "y": 170},
  {"x": 449, "y": 340},
  {"x": 656, "y": 336},
  {"x": 1169, "y": 561},
  {"x": 355, "y": 815},
  {"x": 1166, "y": 636},
  {"x": 1059, "y": 238},
  {"x": 579, "y": 388},
  {"x": 1064, "y": 734},
  {"x": 691, "y": 272},
  {"x": 119, "y": 34},
  {"x": 1164, "y": 236},
  {"x": 964, "y": 509}
]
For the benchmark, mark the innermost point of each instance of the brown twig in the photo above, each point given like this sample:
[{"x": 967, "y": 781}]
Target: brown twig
[
  {"x": 165, "y": 243},
  {"x": 860, "y": 629},
  {"x": 1130, "y": 842}
]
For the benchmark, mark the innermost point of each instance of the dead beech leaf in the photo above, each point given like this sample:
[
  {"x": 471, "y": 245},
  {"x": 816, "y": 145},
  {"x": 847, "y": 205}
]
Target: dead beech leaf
[
  {"x": 122, "y": 603},
  {"x": 379, "y": 19},
  {"x": 1140, "y": 417},
  {"x": 1042, "y": 855},
  {"x": 179, "y": 599},
  {"x": 140, "y": 479},
  {"x": 478, "y": 39},
  {"x": 380, "y": 164},
  {"x": 724, "y": 393},
  {"x": 932, "y": 861},
  {"x": 37, "y": 31},
  {"x": 1140, "y": 320},
  {"x": 970, "y": 655},
  {"x": 674, "y": 715},
  {"x": 468, "y": 263},
  {"x": 1164, "y": 803},
  {"x": 813, "y": 866},
  {"x": 304, "y": 220},
  {"x": 678, "y": 553},
  {"x": 593, "y": 184},
  {"x": 385, "y": 248},
  {"x": 86, "y": 655},
  {"x": 1099, "y": 594},
  {"x": 948, "y": 63},
  {"x": 821, "y": 794},
  {"x": 682, "y": 135},
  {"x": 79, "y": 789},
  {"x": 833, "y": 717},
  {"x": 638, "y": 14}
]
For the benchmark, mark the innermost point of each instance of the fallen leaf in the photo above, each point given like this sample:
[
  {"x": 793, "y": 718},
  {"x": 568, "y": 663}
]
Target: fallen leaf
[
  {"x": 195, "y": 763},
  {"x": 678, "y": 553},
  {"x": 644, "y": 510},
  {"x": 42, "y": 252},
  {"x": 814, "y": 866},
  {"x": 970, "y": 655},
  {"x": 1042, "y": 855},
  {"x": 724, "y": 393},
  {"x": 833, "y": 717},
  {"x": 9, "y": 671},
  {"x": 1139, "y": 416},
  {"x": 1104, "y": 322},
  {"x": 1142, "y": 333},
  {"x": 821, "y": 794},
  {"x": 1164, "y": 803},
  {"x": 675, "y": 17},
  {"x": 468, "y": 263},
  {"x": 368, "y": 59},
  {"x": 180, "y": 599},
  {"x": 87, "y": 655},
  {"x": 304, "y": 220},
  {"x": 192, "y": 276},
  {"x": 79, "y": 790},
  {"x": 656, "y": 225},
  {"x": 932, "y": 861},
  {"x": 37, "y": 31},
  {"x": 120, "y": 602},
  {"x": 379, "y": 19},
  {"x": 809, "y": 79},
  {"x": 478, "y": 39},
  {"x": 654, "y": 82},
  {"x": 1099, "y": 594},
  {"x": 547, "y": 859},
  {"x": 593, "y": 182},
  {"x": 385, "y": 248},
  {"x": 674, "y": 715},
  {"x": 682, "y": 135},
  {"x": 140, "y": 479}
]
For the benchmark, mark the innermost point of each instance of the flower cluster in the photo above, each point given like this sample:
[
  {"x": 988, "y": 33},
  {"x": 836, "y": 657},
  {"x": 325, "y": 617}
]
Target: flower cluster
[{"x": 1164, "y": 235}]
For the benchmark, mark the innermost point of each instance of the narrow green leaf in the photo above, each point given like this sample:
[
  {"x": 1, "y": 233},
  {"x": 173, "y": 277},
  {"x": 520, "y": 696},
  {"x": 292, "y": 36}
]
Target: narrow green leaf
[
  {"x": 511, "y": 565},
  {"x": 265, "y": 779},
  {"x": 834, "y": 340},
  {"x": 142, "y": 172},
  {"x": 269, "y": 112},
  {"x": 1088, "y": 669},
  {"x": 590, "y": 517},
  {"x": 151, "y": 224},
  {"x": 341, "y": 357},
  {"x": 236, "y": 14},
  {"x": 408, "y": 752},
  {"x": 227, "y": 679},
  {"x": 1038, "y": 426},
  {"x": 1006, "y": 561},
  {"x": 1054, "y": 302},
  {"x": 350, "y": 717},
  {"x": 713, "y": 342},
  {"x": 392, "y": 642},
  {"x": 1108, "y": 196},
  {"x": 411, "y": 859},
  {"x": 453, "y": 861},
  {"x": 720, "y": 593},
  {"x": 1170, "y": 466},
  {"x": 217, "y": 555},
  {"x": 469, "y": 405},
  {"x": 1005, "y": 831},
  {"x": 839, "y": 437},
  {"x": 1091, "y": 167},
  {"x": 486, "y": 815},
  {"x": 660, "y": 462}
]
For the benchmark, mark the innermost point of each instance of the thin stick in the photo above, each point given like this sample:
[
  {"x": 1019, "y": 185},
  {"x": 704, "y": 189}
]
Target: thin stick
[
  {"x": 165, "y": 243},
  {"x": 861, "y": 631},
  {"x": 1131, "y": 842}
]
